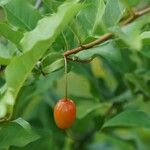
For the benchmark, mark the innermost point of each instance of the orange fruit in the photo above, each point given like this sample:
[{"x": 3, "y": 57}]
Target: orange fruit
[{"x": 64, "y": 113}]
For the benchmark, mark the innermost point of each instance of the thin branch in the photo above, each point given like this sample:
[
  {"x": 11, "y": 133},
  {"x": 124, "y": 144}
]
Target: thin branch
[
  {"x": 136, "y": 15},
  {"x": 106, "y": 36},
  {"x": 142, "y": 12},
  {"x": 5, "y": 119},
  {"x": 89, "y": 45}
]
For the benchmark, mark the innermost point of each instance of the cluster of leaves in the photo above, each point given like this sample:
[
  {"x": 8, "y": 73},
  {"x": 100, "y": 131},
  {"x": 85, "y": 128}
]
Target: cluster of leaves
[{"x": 111, "y": 92}]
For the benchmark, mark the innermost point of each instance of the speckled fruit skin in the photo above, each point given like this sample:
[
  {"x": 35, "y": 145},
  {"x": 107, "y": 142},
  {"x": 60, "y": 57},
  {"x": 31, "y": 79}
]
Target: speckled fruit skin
[{"x": 64, "y": 113}]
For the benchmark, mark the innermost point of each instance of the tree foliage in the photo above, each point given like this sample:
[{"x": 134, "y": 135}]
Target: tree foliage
[{"x": 107, "y": 47}]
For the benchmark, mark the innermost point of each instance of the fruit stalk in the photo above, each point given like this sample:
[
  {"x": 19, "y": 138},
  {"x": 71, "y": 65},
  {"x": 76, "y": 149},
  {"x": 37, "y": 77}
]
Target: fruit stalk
[{"x": 66, "y": 79}]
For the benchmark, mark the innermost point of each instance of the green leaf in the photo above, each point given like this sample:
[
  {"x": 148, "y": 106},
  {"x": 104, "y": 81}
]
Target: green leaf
[
  {"x": 130, "y": 118},
  {"x": 56, "y": 65},
  {"x": 145, "y": 36},
  {"x": 117, "y": 58},
  {"x": 138, "y": 82},
  {"x": 113, "y": 12},
  {"x": 107, "y": 50},
  {"x": 52, "y": 5},
  {"x": 132, "y": 3},
  {"x": 17, "y": 133},
  {"x": 87, "y": 107},
  {"x": 98, "y": 19},
  {"x": 7, "y": 51},
  {"x": 52, "y": 62},
  {"x": 130, "y": 34},
  {"x": 75, "y": 80},
  {"x": 35, "y": 44},
  {"x": 45, "y": 26},
  {"x": 4, "y": 55},
  {"x": 146, "y": 51},
  {"x": 50, "y": 58},
  {"x": 10, "y": 34},
  {"x": 88, "y": 21},
  {"x": 22, "y": 14},
  {"x": 42, "y": 143},
  {"x": 47, "y": 29}
]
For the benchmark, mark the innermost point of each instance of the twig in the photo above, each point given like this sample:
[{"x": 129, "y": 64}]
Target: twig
[
  {"x": 5, "y": 119},
  {"x": 142, "y": 12},
  {"x": 136, "y": 15},
  {"x": 89, "y": 45},
  {"x": 106, "y": 36}
]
